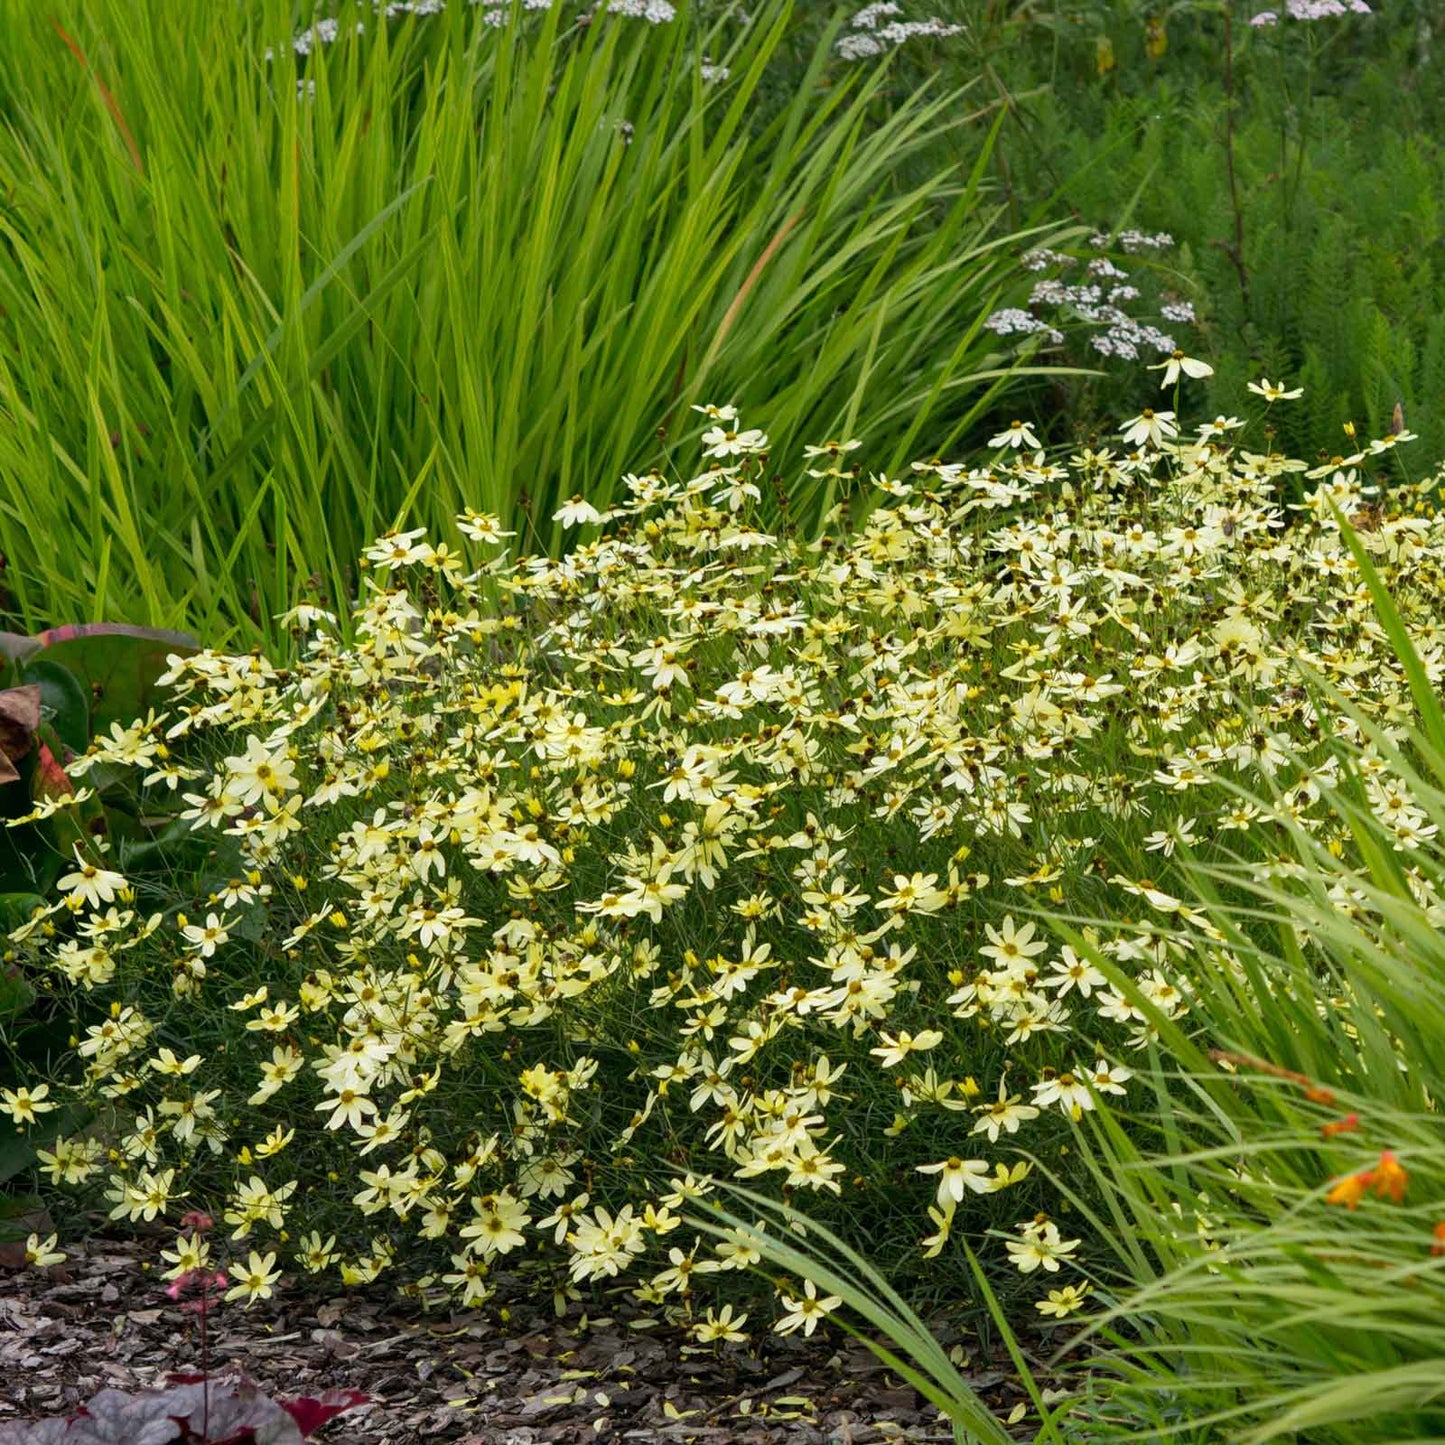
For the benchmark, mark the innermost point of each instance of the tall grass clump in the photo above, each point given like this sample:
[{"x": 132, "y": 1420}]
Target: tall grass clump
[
  {"x": 256, "y": 305},
  {"x": 1284, "y": 1243},
  {"x": 784, "y": 1238}
]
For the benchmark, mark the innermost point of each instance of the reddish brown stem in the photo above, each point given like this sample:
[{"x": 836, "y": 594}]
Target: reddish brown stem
[{"x": 105, "y": 95}]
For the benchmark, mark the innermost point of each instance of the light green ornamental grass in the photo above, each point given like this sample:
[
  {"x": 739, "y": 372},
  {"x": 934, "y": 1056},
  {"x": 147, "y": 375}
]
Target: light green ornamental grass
[{"x": 254, "y": 311}]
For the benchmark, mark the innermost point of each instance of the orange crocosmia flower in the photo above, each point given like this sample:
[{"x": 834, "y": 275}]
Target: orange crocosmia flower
[
  {"x": 1350, "y": 1190},
  {"x": 1388, "y": 1178},
  {"x": 1347, "y": 1125},
  {"x": 1317, "y": 1095},
  {"x": 1438, "y": 1248}
]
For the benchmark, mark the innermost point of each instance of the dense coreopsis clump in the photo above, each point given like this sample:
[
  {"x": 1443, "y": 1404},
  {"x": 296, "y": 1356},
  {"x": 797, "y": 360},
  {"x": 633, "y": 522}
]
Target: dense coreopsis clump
[{"x": 546, "y": 888}]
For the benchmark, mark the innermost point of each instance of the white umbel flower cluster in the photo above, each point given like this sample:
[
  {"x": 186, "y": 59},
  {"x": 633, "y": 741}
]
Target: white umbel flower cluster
[{"x": 875, "y": 30}]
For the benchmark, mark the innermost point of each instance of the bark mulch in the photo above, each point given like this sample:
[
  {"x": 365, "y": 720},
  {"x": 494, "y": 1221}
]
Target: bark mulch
[{"x": 99, "y": 1322}]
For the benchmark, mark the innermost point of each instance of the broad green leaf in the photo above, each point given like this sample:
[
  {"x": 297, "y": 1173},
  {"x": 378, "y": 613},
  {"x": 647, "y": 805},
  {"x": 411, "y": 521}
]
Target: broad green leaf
[
  {"x": 116, "y": 666},
  {"x": 64, "y": 702}
]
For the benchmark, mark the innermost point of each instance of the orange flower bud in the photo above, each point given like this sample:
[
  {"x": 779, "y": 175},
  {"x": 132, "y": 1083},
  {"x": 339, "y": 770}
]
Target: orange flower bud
[
  {"x": 1350, "y": 1190},
  {"x": 1347, "y": 1125},
  {"x": 1316, "y": 1095},
  {"x": 1438, "y": 1248},
  {"x": 1388, "y": 1178}
]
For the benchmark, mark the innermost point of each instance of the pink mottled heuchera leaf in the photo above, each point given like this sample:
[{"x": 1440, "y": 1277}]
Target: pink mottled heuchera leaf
[{"x": 234, "y": 1412}]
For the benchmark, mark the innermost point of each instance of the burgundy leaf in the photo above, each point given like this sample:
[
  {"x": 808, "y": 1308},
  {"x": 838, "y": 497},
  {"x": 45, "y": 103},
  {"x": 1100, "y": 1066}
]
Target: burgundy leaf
[
  {"x": 117, "y": 665},
  {"x": 236, "y": 1413},
  {"x": 50, "y": 779},
  {"x": 180, "y": 641},
  {"x": 311, "y": 1412},
  {"x": 19, "y": 717}
]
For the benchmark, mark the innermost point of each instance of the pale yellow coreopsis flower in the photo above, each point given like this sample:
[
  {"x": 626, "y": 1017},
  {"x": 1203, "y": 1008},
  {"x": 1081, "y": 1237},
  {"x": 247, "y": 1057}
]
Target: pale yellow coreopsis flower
[
  {"x": 255, "y": 1279},
  {"x": 42, "y": 1253},
  {"x": 1179, "y": 363},
  {"x": 89, "y": 884},
  {"x": 1275, "y": 391},
  {"x": 1017, "y": 434},
  {"x": 25, "y": 1105},
  {"x": 806, "y": 1310}
]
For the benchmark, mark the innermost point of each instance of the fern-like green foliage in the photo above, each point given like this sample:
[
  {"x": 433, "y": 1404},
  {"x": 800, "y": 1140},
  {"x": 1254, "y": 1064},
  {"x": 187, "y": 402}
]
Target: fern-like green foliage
[{"x": 1336, "y": 134}]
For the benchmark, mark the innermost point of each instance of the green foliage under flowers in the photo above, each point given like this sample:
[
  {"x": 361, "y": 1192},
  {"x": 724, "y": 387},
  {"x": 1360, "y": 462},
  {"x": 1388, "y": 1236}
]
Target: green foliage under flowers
[
  {"x": 699, "y": 852},
  {"x": 254, "y": 310}
]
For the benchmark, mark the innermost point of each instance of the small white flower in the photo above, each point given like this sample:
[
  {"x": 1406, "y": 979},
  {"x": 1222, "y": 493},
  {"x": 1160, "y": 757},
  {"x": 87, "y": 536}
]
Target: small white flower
[
  {"x": 806, "y": 1310},
  {"x": 1150, "y": 426},
  {"x": 1274, "y": 390},
  {"x": 720, "y": 442},
  {"x": 42, "y": 1253},
  {"x": 90, "y": 884},
  {"x": 1178, "y": 362},
  {"x": 1016, "y": 434},
  {"x": 957, "y": 1176},
  {"x": 574, "y": 512}
]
